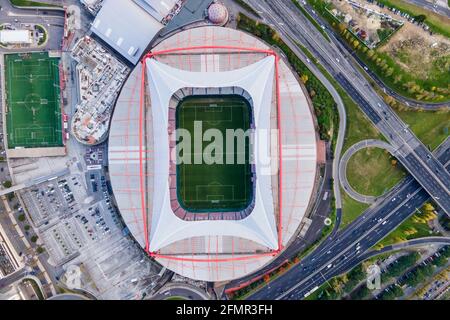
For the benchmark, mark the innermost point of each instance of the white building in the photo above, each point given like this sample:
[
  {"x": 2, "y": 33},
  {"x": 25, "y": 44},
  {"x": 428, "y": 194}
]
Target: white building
[
  {"x": 127, "y": 27},
  {"x": 16, "y": 37}
]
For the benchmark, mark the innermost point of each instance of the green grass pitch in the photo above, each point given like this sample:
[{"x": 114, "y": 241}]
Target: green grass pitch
[
  {"x": 214, "y": 187},
  {"x": 33, "y": 101}
]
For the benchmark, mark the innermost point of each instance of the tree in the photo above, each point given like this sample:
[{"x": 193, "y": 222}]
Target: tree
[
  {"x": 428, "y": 207},
  {"x": 34, "y": 238},
  {"x": 440, "y": 261},
  {"x": 397, "y": 78},
  {"x": 394, "y": 162},
  {"x": 389, "y": 71},
  {"x": 420, "y": 18},
  {"x": 7, "y": 184},
  {"x": 276, "y": 36},
  {"x": 391, "y": 293},
  {"x": 360, "y": 293},
  {"x": 304, "y": 78},
  {"x": 21, "y": 217}
]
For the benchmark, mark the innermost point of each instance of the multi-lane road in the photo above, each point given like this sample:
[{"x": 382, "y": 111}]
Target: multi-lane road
[
  {"x": 339, "y": 252},
  {"x": 351, "y": 54},
  {"x": 437, "y": 6},
  {"x": 415, "y": 157},
  {"x": 349, "y": 247}
]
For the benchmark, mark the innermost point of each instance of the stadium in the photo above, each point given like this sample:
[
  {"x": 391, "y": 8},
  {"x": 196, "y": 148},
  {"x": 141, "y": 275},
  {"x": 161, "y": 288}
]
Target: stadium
[{"x": 213, "y": 154}]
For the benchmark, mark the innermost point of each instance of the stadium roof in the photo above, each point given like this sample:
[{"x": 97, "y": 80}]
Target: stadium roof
[
  {"x": 126, "y": 27},
  {"x": 224, "y": 252},
  {"x": 257, "y": 80}
]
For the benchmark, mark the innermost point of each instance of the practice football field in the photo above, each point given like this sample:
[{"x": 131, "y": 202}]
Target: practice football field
[
  {"x": 33, "y": 101},
  {"x": 215, "y": 187}
]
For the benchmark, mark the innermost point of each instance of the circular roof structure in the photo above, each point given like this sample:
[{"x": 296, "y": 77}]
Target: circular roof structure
[
  {"x": 162, "y": 202},
  {"x": 218, "y": 13}
]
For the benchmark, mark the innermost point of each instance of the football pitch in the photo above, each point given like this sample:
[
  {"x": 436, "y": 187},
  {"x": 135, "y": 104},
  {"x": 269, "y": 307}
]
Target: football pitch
[
  {"x": 33, "y": 101},
  {"x": 215, "y": 187}
]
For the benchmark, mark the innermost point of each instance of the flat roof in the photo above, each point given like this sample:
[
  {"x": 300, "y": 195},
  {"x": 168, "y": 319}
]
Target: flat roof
[
  {"x": 15, "y": 36},
  {"x": 191, "y": 12},
  {"x": 126, "y": 27},
  {"x": 158, "y": 9}
]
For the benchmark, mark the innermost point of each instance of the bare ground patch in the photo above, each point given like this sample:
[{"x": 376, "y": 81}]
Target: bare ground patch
[{"x": 418, "y": 52}]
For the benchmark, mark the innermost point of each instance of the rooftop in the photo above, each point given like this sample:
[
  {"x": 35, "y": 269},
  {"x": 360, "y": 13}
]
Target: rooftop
[
  {"x": 206, "y": 249},
  {"x": 126, "y": 27}
]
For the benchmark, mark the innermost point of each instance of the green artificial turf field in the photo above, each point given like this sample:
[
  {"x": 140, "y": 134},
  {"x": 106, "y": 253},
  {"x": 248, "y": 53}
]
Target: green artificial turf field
[
  {"x": 33, "y": 101},
  {"x": 215, "y": 187}
]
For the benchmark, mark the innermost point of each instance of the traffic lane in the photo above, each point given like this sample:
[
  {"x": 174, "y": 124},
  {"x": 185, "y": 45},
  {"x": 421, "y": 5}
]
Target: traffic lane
[
  {"x": 435, "y": 7},
  {"x": 356, "y": 259},
  {"x": 352, "y": 257},
  {"x": 392, "y": 121},
  {"x": 414, "y": 166},
  {"x": 322, "y": 211},
  {"x": 369, "y": 241},
  {"x": 342, "y": 44},
  {"x": 420, "y": 197},
  {"x": 8, "y": 7},
  {"x": 400, "y": 213}
]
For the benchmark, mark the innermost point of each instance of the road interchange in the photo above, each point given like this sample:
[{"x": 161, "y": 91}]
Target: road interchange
[
  {"x": 338, "y": 253},
  {"x": 410, "y": 151}
]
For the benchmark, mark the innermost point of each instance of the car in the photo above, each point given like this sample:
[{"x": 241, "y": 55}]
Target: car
[{"x": 329, "y": 266}]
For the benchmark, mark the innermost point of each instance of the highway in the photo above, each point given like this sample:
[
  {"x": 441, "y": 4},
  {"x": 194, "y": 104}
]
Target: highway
[
  {"x": 350, "y": 53},
  {"x": 439, "y": 7},
  {"x": 415, "y": 157},
  {"x": 349, "y": 246}
]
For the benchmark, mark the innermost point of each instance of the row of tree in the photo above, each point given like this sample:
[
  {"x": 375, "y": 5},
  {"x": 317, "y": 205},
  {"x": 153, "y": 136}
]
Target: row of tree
[{"x": 390, "y": 71}]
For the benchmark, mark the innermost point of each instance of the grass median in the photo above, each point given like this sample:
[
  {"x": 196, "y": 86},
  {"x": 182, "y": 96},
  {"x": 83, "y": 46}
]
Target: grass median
[{"x": 373, "y": 171}]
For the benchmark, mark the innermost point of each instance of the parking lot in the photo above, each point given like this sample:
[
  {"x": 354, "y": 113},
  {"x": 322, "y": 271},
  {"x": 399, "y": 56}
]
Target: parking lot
[
  {"x": 54, "y": 199},
  {"x": 71, "y": 212}
]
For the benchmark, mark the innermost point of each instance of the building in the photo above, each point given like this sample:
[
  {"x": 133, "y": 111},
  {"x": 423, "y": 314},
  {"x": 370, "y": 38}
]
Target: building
[
  {"x": 127, "y": 27},
  {"x": 207, "y": 243},
  {"x": 158, "y": 9},
  {"x": 16, "y": 37}
]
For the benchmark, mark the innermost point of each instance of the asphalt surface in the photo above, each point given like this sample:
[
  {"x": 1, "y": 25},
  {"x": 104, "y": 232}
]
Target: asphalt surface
[
  {"x": 340, "y": 253},
  {"x": 186, "y": 293},
  {"x": 439, "y": 8},
  {"x": 343, "y": 168},
  {"x": 415, "y": 157}
]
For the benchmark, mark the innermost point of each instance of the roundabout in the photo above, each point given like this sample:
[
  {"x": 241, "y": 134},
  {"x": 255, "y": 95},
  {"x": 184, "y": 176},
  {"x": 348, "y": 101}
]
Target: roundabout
[{"x": 349, "y": 189}]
